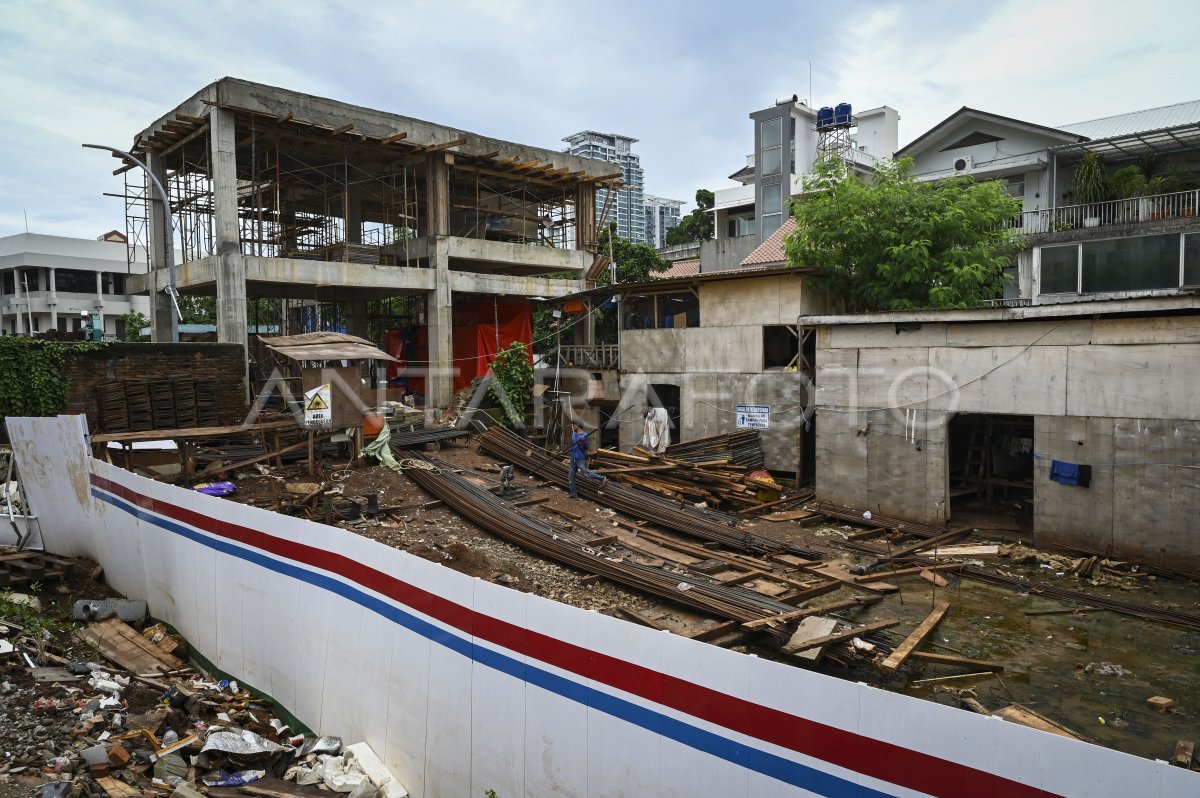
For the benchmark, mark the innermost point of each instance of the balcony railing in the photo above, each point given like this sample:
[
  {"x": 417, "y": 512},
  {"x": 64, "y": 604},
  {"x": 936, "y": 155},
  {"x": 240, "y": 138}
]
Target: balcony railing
[
  {"x": 596, "y": 356},
  {"x": 1178, "y": 205}
]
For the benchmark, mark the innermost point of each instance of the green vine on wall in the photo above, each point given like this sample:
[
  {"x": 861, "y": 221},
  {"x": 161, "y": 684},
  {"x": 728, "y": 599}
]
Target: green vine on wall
[{"x": 32, "y": 382}]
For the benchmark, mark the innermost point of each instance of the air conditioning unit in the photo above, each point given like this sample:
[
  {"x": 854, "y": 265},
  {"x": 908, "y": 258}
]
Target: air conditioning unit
[{"x": 964, "y": 164}]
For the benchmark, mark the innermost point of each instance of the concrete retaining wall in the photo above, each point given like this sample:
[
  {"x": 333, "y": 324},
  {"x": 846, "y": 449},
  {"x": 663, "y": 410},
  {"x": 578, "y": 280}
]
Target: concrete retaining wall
[{"x": 464, "y": 686}]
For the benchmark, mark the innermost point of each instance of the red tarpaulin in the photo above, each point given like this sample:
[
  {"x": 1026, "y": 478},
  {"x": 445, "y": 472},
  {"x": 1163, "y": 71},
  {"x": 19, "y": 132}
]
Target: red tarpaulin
[{"x": 475, "y": 339}]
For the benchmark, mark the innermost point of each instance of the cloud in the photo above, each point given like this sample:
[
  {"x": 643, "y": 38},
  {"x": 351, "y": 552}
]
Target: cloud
[{"x": 681, "y": 77}]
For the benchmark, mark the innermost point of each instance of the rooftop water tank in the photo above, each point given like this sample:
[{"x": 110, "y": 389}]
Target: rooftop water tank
[
  {"x": 824, "y": 117},
  {"x": 841, "y": 114}
]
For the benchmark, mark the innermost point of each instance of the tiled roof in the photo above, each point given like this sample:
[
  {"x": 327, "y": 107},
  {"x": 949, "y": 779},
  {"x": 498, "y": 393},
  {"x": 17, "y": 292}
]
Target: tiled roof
[
  {"x": 680, "y": 268},
  {"x": 1138, "y": 121},
  {"x": 771, "y": 251}
]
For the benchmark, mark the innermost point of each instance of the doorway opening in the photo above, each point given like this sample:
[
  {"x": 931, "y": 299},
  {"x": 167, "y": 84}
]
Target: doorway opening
[
  {"x": 991, "y": 466},
  {"x": 666, "y": 396}
]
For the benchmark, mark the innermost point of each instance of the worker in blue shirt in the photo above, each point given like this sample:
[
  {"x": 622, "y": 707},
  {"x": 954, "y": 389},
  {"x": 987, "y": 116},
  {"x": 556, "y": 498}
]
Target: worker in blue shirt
[{"x": 579, "y": 454}]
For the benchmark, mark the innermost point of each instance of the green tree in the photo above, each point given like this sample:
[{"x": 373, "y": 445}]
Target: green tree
[
  {"x": 135, "y": 321},
  {"x": 697, "y": 225},
  {"x": 899, "y": 244},
  {"x": 635, "y": 262}
]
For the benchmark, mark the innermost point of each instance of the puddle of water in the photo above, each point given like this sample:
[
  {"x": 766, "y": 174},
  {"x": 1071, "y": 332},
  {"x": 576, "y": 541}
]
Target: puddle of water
[{"x": 1045, "y": 659}]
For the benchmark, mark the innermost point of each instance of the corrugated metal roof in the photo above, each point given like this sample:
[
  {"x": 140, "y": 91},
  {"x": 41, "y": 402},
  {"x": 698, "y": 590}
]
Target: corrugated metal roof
[
  {"x": 772, "y": 250},
  {"x": 1185, "y": 113}
]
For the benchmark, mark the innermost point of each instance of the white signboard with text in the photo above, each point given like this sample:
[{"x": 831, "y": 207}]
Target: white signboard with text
[{"x": 753, "y": 416}]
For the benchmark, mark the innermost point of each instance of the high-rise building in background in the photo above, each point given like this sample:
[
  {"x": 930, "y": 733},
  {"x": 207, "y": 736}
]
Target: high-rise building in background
[
  {"x": 661, "y": 215},
  {"x": 627, "y": 208}
]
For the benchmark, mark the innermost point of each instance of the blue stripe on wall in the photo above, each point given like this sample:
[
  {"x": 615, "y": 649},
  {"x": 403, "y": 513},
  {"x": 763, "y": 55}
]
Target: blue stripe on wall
[{"x": 768, "y": 764}]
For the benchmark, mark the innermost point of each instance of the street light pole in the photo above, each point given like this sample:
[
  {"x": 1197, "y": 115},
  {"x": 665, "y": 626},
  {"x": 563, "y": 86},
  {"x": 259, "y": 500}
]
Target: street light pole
[{"x": 170, "y": 291}]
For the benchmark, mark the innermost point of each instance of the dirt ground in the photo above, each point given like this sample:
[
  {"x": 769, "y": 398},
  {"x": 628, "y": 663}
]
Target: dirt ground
[{"x": 1046, "y": 657}]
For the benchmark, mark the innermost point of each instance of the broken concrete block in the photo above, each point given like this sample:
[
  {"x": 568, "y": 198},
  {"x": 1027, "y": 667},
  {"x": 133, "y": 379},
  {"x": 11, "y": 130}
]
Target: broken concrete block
[
  {"x": 376, "y": 771},
  {"x": 1161, "y": 703}
]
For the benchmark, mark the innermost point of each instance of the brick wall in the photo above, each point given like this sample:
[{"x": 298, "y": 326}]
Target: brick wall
[{"x": 224, "y": 364}]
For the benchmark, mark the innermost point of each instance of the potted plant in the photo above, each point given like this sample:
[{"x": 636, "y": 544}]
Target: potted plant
[
  {"x": 1129, "y": 185},
  {"x": 1091, "y": 185}
]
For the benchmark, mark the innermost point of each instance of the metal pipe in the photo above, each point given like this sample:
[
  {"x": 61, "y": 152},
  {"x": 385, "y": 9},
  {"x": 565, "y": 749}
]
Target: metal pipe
[{"x": 166, "y": 201}]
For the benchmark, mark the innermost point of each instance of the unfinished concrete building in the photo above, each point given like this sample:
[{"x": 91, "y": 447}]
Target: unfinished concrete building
[{"x": 303, "y": 213}]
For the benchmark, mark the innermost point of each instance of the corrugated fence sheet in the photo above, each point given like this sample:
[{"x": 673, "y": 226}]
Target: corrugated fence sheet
[{"x": 464, "y": 686}]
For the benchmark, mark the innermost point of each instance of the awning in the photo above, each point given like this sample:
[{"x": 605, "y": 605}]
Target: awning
[
  {"x": 325, "y": 346},
  {"x": 1170, "y": 139}
]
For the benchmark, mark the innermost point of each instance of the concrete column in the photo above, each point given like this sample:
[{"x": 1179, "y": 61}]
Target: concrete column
[
  {"x": 53, "y": 287},
  {"x": 585, "y": 215},
  {"x": 156, "y": 249},
  {"x": 230, "y": 265},
  {"x": 356, "y": 317},
  {"x": 437, "y": 189},
  {"x": 354, "y": 217},
  {"x": 18, "y": 306},
  {"x": 439, "y": 317}
]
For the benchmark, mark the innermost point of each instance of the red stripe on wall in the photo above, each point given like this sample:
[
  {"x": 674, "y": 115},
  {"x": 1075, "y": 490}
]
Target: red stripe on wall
[{"x": 874, "y": 758}]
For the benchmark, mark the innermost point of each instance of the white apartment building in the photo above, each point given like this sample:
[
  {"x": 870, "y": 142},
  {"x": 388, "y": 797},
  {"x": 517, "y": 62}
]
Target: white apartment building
[{"x": 56, "y": 282}]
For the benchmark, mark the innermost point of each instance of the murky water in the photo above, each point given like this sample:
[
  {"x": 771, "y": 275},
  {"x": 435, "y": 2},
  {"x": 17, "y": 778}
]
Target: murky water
[{"x": 1045, "y": 657}]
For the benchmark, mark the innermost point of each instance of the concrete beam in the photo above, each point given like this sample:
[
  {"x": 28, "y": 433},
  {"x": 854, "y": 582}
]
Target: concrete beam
[{"x": 512, "y": 285}]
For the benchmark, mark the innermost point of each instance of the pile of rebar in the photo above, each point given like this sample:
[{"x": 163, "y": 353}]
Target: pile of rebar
[
  {"x": 679, "y": 517},
  {"x": 715, "y": 481},
  {"x": 741, "y": 449},
  {"x": 407, "y": 436},
  {"x": 564, "y": 545},
  {"x": 877, "y": 519}
]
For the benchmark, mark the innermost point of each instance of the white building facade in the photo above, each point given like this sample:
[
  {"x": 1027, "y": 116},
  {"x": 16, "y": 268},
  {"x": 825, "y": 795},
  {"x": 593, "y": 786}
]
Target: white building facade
[
  {"x": 69, "y": 284},
  {"x": 661, "y": 215}
]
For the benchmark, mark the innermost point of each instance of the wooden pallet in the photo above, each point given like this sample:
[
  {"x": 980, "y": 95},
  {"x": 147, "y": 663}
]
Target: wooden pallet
[{"x": 25, "y": 567}]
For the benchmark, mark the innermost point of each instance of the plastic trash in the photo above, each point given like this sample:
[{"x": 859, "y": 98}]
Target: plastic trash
[
  {"x": 224, "y": 778},
  {"x": 215, "y": 488},
  {"x": 55, "y": 789},
  {"x": 128, "y": 610}
]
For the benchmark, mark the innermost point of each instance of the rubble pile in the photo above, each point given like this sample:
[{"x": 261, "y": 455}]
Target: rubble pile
[{"x": 79, "y": 726}]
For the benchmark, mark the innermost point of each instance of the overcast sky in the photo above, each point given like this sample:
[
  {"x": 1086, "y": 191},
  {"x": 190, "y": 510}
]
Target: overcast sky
[{"x": 680, "y": 76}]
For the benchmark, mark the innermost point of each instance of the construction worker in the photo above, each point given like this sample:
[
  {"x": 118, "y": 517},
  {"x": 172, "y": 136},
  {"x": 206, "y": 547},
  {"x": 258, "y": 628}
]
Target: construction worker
[{"x": 579, "y": 455}]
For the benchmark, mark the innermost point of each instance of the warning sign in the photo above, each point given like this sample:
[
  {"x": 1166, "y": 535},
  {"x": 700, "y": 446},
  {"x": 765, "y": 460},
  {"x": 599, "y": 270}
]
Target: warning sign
[
  {"x": 317, "y": 412},
  {"x": 753, "y": 416}
]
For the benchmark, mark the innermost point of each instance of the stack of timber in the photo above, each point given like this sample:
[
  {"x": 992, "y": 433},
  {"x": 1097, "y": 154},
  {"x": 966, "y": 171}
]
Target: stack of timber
[{"x": 715, "y": 480}]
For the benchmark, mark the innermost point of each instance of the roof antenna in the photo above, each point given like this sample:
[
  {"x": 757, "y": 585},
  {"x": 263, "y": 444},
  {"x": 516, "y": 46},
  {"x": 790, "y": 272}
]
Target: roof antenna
[{"x": 26, "y": 220}]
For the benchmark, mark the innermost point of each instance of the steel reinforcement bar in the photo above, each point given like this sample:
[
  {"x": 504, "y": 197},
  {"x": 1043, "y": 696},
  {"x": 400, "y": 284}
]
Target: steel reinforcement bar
[{"x": 668, "y": 514}]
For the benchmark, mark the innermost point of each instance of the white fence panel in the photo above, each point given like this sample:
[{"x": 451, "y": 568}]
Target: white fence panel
[{"x": 463, "y": 686}]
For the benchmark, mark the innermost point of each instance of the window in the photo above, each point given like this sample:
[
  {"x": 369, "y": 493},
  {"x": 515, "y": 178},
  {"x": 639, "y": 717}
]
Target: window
[
  {"x": 75, "y": 281},
  {"x": 772, "y": 209},
  {"x": 1060, "y": 270},
  {"x": 781, "y": 346},
  {"x": 770, "y": 160},
  {"x": 1131, "y": 264},
  {"x": 739, "y": 226},
  {"x": 662, "y": 311},
  {"x": 1191, "y": 259}
]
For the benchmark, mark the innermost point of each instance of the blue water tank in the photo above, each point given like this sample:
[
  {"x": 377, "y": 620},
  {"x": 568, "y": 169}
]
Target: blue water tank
[
  {"x": 824, "y": 117},
  {"x": 841, "y": 114}
]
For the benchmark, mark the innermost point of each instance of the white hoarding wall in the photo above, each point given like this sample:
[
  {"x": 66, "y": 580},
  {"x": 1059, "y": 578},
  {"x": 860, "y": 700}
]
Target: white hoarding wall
[{"x": 463, "y": 686}]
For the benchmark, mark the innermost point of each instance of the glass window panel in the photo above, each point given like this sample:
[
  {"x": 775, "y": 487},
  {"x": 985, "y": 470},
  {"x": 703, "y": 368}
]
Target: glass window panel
[
  {"x": 1131, "y": 264},
  {"x": 772, "y": 198},
  {"x": 1060, "y": 270},
  {"x": 772, "y": 133},
  {"x": 772, "y": 161},
  {"x": 771, "y": 224},
  {"x": 1191, "y": 259}
]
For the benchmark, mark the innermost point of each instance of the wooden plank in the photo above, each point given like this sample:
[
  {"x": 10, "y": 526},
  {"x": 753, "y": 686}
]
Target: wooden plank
[
  {"x": 718, "y": 631},
  {"x": 801, "y": 596},
  {"x": 124, "y": 646},
  {"x": 842, "y": 575},
  {"x": 394, "y": 138},
  {"x": 910, "y": 571},
  {"x": 447, "y": 144},
  {"x": 748, "y": 576},
  {"x": 193, "y": 432},
  {"x": 936, "y": 579},
  {"x": 845, "y": 634},
  {"x": 961, "y": 662},
  {"x": 637, "y": 617},
  {"x": 788, "y": 617},
  {"x": 1018, "y": 713},
  {"x": 790, "y": 515},
  {"x": 927, "y": 543},
  {"x": 914, "y": 639},
  {"x": 218, "y": 467},
  {"x": 812, "y": 628},
  {"x": 980, "y": 550},
  {"x": 115, "y": 788}
]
